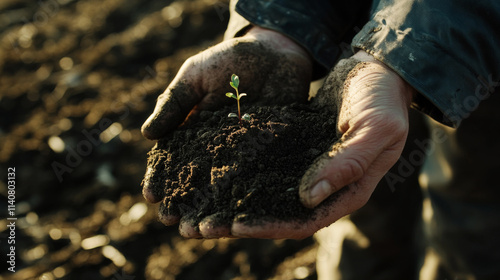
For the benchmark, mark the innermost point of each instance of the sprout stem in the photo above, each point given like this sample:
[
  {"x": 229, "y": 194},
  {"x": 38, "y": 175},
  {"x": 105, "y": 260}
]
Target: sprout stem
[
  {"x": 235, "y": 82},
  {"x": 238, "y": 101}
]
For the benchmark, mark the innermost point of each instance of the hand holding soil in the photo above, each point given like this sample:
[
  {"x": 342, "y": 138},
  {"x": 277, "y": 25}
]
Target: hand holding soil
[
  {"x": 244, "y": 181},
  {"x": 372, "y": 104},
  {"x": 373, "y": 122},
  {"x": 276, "y": 71}
]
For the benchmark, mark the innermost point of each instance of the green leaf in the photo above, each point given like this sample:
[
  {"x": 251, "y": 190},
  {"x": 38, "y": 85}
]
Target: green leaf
[
  {"x": 232, "y": 115},
  {"x": 246, "y": 117},
  {"x": 231, "y": 95},
  {"x": 235, "y": 81}
]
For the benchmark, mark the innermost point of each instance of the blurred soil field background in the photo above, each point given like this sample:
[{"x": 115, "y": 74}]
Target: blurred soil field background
[{"x": 77, "y": 79}]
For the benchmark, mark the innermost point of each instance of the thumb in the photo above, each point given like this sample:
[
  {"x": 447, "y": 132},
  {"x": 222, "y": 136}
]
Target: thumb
[
  {"x": 328, "y": 174},
  {"x": 174, "y": 104},
  {"x": 348, "y": 161}
]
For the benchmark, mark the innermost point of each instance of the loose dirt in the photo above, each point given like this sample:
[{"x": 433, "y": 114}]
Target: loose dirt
[{"x": 251, "y": 172}]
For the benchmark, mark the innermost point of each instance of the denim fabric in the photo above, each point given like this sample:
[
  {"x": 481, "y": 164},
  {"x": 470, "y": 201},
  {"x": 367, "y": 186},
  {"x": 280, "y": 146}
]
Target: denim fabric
[
  {"x": 447, "y": 50},
  {"x": 324, "y": 28}
]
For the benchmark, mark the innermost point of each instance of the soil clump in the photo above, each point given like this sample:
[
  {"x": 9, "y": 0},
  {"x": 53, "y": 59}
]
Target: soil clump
[{"x": 212, "y": 165}]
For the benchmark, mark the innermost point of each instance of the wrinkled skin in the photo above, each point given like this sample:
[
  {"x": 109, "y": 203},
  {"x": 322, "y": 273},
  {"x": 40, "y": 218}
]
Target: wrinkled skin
[{"x": 373, "y": 122}]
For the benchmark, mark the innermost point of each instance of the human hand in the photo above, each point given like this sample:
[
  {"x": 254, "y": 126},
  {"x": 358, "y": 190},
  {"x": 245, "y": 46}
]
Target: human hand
[
  {"x": 262, "y": 58},
  {"x": 373, "y": 121}
]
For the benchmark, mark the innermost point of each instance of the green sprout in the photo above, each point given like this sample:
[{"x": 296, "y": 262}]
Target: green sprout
[{"x": 235, "y": 82}]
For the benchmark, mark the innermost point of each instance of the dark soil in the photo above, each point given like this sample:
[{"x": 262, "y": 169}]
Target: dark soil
[{"x": 215, "y": 166}]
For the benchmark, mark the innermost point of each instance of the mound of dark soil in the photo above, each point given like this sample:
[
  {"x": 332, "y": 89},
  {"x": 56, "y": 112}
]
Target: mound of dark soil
[{"x": 215, "y": 166}]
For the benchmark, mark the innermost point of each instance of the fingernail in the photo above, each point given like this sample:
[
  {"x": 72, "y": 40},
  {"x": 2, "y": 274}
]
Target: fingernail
[
  {"x": 168, "y": 220},
  {"x": 319, "y": 192}
]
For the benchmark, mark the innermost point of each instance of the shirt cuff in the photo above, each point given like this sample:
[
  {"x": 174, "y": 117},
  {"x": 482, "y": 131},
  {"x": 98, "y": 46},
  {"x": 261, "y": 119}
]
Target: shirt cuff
[
  {"x": 298, "y": 26},
  {"x": 448, "y": 90},
  {"x": 237, "y": 25}
]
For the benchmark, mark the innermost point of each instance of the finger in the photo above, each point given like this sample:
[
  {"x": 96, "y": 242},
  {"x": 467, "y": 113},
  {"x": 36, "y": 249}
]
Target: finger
[
  {"x": 149, "y": 193},
  {"x": 346, "y": 163},
  {"x": 210, "y": 227},
  {"x": 175, "y": 103},
  {"x": 338, "y": 205},
  {"x": 188, "y": 228},
  {"x": 152, "y": 188},
  {"x": 165, "y": 217},
  {"x": 272, "y": 230}
]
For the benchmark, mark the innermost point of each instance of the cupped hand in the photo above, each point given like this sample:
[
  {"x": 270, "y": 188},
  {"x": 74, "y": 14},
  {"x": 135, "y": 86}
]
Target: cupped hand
[
  {"x": 372, "y": 105},
  {"x": 273, "y": 70}
]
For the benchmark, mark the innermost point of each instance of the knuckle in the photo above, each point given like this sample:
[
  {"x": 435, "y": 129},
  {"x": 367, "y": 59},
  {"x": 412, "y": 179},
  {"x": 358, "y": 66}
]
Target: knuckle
[
  {"x": 352, "y": 169},
  {"x": 392, "y": 124}
]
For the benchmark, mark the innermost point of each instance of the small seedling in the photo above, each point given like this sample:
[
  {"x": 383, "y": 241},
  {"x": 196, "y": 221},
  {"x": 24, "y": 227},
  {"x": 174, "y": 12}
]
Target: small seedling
[{"x": 235, "y": 82}]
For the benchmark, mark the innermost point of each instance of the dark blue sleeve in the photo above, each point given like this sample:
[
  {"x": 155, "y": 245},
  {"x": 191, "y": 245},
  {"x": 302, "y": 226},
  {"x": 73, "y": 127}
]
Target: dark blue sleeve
[
  {"x": 322, "y": 27},
  {"x": 449, "y": 51}
]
